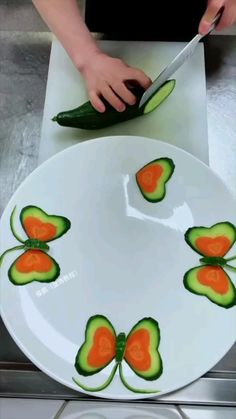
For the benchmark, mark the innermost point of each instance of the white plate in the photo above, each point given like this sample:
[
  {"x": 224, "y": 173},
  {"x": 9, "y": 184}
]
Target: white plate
[{"x": 123, "y": 257}]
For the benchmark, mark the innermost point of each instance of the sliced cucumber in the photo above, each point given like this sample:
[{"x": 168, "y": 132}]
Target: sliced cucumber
[{"x": 86, "y": 117}]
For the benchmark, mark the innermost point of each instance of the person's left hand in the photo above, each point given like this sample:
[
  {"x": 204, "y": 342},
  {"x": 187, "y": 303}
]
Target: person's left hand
[{"x": 227, "y": 19}]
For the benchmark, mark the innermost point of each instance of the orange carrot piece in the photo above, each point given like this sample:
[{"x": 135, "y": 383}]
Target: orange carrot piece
[
  {"x": 103, "y": 349},
  {"x": 137, "y": 350},
  {"x": 148, "y": 177},
  {"x": 214, "y": 277},
  {"x": 213, "y": 246},
  {"x": 34, "y": 260},
  {"x": 37, "y": 229}
]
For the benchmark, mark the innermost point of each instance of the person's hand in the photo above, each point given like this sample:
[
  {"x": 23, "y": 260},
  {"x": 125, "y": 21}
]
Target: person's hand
[
  {"x": 227, "y": 19},
  {"x": 105, "y": 77}
]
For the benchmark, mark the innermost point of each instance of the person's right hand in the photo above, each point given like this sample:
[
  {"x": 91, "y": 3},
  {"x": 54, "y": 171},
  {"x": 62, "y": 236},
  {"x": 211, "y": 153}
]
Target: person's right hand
[
  {"x": 105, "y": 78},
  {"x": 227, "y": 19}
]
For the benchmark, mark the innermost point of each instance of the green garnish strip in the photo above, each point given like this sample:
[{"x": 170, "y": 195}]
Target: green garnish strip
[
  {"x": 10, "y": 250},
  {"x": 36, "y": 244},
  {"x": 131, "y": 388},
  {"x": 109, "y": 380},
  {"x": 121, "y": 343},
  {"x": 217, "y": 261},
  {"x": 233, "y": 268},
  {"x": 12, "y": 221},
  {"x": 120, "y": 347},
  {"x": 232, "y": 258},
  {"x": 103, "y": 386}
]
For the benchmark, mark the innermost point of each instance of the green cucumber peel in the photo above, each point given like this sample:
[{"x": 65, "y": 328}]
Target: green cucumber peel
[
  {"x": 109, "y": 380},
  {"x": 232, "y": 268},
  {"x": 120, "y": 347},
  {"x": 134, "y": 389},
  {"x": 231, "y": 258},
  {"x": 8, "y": 251},
  {"x": 12, "y": 221},
  {"x": 213, "y": 261},
  {"x": 99, "y": 388},
  {"x": 36, "y": 244},
  {"x": 219, "y": 261}
]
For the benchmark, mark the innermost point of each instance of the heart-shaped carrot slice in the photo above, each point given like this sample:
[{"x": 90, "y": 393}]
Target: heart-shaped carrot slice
[
  {"x": 149, "y": 176},
  {"x": 137, "y": 350},
  {"x": 34, "y": 261},
  {"x": 37, "y": 229},
  {"x": 213, "y": 247},
  {"x": 214, "y": 277},
  {"x": 103, "y": 349}
]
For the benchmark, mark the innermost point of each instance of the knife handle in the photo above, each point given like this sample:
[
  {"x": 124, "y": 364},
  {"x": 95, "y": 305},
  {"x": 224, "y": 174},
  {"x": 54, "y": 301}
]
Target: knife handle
[{"x": 215, "y": 20}]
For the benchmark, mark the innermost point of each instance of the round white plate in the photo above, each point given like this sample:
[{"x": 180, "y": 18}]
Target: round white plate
[{"x": 123, "y": 257}]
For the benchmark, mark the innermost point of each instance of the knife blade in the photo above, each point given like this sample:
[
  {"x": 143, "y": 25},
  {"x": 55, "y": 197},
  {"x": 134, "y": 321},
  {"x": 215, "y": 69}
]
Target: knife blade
[{"x": 177, "y": 62}]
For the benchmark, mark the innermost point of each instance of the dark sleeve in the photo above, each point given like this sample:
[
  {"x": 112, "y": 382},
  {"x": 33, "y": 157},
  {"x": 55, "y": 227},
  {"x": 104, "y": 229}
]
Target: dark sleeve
[{"x": 150, "y": 20}]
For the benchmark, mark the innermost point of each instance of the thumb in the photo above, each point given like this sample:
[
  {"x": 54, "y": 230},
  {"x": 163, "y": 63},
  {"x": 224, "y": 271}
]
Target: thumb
[{"x": 212, "y": 9}]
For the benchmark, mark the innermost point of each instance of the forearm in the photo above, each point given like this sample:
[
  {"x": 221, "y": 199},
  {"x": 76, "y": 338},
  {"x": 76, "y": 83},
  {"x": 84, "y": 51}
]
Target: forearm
[
  {"x": 65, "y": 21},
  {"x": 105, "y": 76}
]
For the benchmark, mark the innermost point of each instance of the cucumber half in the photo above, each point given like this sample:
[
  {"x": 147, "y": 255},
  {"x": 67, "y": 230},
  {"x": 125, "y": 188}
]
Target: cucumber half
[{"x": 88, "y": 118}]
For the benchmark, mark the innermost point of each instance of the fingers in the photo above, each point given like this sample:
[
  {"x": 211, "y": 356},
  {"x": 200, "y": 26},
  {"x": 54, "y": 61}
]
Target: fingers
[
  {"x": 124, "y": 93},
  {"x": 96, "y": 101},
  {"x": 140, "y": 77},
  {"x": 111, "y": 97},
  {"x": 212, "y": 9},
  {"x": 108, "y": 94},
  {"x": 228, "y": 17},
  {"x": 132, "y": 74},
  {"x": 118, "y": 93},
  {"x": 108, "y": 81}
]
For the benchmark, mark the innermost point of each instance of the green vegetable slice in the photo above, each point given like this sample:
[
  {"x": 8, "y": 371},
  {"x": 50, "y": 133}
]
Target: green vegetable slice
[
  {"x": 214, "y": 241},
  {"x": 99, "y": 347},
  {"x": 141, "y": 352},
  {"x": 152, "y": 178},
  {"x": 213, "y": 283},
  {"x": 39, "y": 225},
  {"x": 33, "y": 265}
]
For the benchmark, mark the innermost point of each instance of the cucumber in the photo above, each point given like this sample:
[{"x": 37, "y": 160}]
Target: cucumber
[
  {"x": 152, "y": 178},
  {"x": 88, "y": 118},
  {"x": 141, "y": 352}
]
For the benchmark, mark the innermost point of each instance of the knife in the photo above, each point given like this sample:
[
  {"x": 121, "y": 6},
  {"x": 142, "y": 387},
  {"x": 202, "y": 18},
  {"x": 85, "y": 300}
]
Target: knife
[{"x": 186, "y": 52}]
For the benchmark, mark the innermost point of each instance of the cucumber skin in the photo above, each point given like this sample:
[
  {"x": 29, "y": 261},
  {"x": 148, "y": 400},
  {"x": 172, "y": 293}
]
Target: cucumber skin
[
  {"x": 88, "y": 118},
  {"x": 187, "y": 286}
]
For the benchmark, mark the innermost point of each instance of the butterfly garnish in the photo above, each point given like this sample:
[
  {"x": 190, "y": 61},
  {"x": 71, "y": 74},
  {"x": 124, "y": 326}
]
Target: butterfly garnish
[
  {"x": 210, "y": 279},
  {"x": 35, "y": 264},
  {"x": 102, "y": 346}
]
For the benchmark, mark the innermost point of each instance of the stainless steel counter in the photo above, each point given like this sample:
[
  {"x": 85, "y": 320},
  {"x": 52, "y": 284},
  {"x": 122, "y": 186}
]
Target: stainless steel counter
[{"x": 23, "y": 76}]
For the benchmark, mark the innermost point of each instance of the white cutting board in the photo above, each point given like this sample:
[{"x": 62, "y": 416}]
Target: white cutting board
[{"x": 180, "y": 120}]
